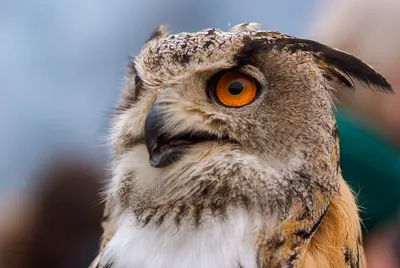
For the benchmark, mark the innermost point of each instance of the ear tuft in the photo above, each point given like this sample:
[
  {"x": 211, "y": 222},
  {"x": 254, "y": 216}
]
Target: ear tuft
[
  {"x": 245, "y": 27},
  {"x": 347, "y": 68},
  {"x": 159, "y": 33},
  {"x": 339, "y": 66}
]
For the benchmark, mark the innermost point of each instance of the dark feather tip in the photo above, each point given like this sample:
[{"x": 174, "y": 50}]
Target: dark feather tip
[{"x": 339, "y": 65}]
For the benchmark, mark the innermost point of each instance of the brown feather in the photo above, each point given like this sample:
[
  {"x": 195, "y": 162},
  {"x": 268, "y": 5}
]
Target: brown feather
[{"x": 337, "y": 242}]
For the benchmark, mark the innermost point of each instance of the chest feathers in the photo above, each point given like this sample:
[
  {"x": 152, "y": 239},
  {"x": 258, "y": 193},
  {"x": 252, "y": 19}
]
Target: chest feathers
[{"x": 229, "y": 243}]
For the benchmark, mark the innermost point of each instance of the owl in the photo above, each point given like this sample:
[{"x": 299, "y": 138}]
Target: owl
[{"x": 226, "y": 155}]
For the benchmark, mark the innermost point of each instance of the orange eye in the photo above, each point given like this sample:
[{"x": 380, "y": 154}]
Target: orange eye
[{"x": 236, "y": 89}]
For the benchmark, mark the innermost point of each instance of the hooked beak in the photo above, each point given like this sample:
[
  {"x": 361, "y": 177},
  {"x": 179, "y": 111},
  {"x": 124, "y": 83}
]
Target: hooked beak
[{"x": 164, "y": 148}]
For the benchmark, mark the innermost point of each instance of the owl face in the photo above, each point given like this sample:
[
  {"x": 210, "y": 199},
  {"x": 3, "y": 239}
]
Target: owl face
[
  {"x": 223, "y": 115},
  {"x": 210, "y": 88}
]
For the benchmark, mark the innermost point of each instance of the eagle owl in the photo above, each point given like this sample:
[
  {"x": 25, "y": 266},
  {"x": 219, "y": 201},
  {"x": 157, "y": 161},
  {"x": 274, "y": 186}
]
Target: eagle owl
[{"x": 226, "y": 154}]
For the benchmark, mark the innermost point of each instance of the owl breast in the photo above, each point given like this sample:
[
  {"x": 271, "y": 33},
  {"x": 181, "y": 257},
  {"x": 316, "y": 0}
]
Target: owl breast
[{"x": 214, "y": 244}]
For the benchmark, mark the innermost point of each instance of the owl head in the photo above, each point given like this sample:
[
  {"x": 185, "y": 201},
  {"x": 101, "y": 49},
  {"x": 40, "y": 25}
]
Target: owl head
[{"x": 212, "y": 120}]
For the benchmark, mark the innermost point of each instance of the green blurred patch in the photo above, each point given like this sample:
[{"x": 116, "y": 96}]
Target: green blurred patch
[{"x": 371, "y": 166}]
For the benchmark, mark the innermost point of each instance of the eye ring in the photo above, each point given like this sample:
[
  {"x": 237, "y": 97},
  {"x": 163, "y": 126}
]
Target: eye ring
[{"x": 234, "y": 89}]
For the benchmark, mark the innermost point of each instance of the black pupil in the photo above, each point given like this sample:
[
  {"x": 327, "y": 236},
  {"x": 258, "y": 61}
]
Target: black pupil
[{"x": 235, "y": 88}]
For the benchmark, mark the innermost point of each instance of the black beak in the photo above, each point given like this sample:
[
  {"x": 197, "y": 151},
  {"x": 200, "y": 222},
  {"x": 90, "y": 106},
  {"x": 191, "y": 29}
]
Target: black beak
[
  {"x": 161, "y": 154},
  {"x": 163, "y": 148},
  {"x": 152, "y": 130}
]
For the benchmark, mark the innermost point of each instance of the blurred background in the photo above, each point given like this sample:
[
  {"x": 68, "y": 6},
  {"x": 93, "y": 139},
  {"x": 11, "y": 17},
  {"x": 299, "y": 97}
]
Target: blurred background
[{"x": 61, "y": 68}]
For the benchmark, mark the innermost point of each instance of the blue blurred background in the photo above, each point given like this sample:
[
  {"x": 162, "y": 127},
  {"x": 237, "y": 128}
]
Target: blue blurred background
[{"x": 62, "y": 64}]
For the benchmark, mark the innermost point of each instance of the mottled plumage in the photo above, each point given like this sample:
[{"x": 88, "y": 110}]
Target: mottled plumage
[{"x": 263, "y": 187}]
